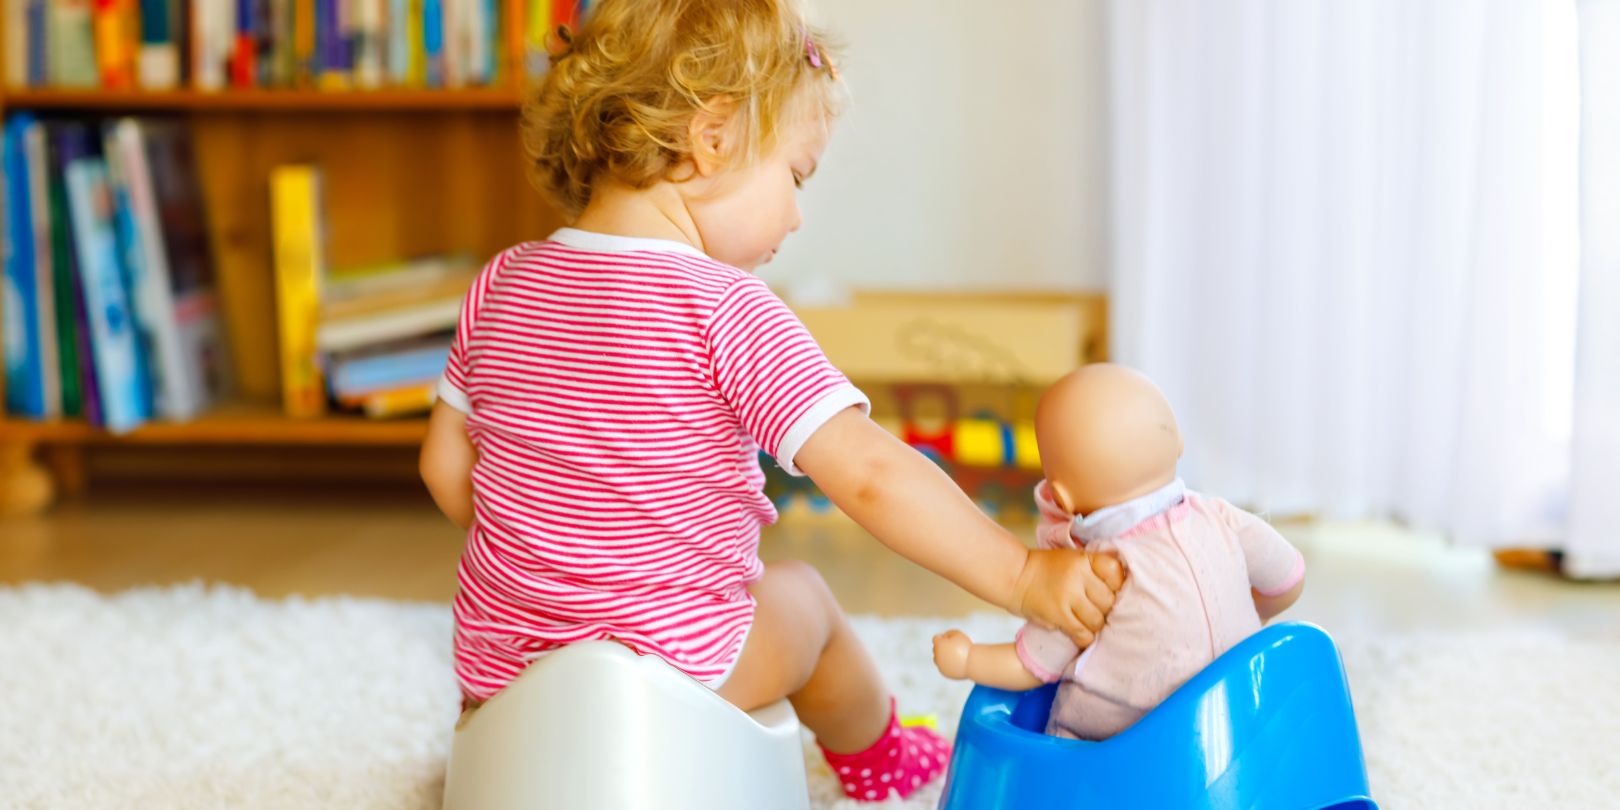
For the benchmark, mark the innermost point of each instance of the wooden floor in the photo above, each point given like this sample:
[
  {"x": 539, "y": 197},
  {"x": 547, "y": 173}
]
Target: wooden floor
[{"x": 336, "y": 539}]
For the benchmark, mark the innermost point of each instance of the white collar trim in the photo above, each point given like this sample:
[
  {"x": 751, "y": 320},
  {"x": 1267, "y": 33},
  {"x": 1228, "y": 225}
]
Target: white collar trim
[
  {"x": 1118, "y": 519},
  {"x": 613, "y": 243}
]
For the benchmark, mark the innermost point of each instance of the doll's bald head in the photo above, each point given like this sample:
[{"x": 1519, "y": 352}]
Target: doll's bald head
[{"x": 1107, "y": 435}]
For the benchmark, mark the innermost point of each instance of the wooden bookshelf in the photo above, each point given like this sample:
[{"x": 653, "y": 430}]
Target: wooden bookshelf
[
  {"x": 498, "y": 100},
  {"x": 405, "y": 173},
  {"x": 233, "y": 423}
]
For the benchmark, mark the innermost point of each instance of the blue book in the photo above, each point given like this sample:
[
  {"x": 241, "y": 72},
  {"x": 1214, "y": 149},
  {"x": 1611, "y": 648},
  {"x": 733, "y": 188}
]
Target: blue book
[
  {"x": 125, "y": 402},
  {"x": 38, "y": 15},
  {"x": 25, "y": 370},
  {"x": 433, "y": 41},
  {"x": 358, "y": 376},
  {"x": 132, "y": 266}
]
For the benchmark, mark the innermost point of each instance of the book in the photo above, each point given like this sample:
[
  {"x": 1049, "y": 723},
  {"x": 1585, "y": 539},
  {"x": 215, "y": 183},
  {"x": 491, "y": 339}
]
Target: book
[
  {"x": 64, "y": 141},
  {"x": 347, "y": 334},
  {"x": 175, "y": 292},
  {"x": 39, "y": 206},
  {"x": 71, "y": 44},
  {"x": 379, "y": 369},
  {"x": 25, "y": 384},
  {"x": 38, "y": 16},
  {"x": 157, "y": 63},
  {"x": 433, "y": 42},
  {"x": 131, "y": 266},
  {"x": 336, "y": 308},
  {"x": 413, "y": 274},
  {"x": 114, "y": 51},
  {"x": 15, "y": 46},
  {"x": 295, "y": 215},
  {"x": 407, "y": 401},
  {"x": 114, "y": 347}
]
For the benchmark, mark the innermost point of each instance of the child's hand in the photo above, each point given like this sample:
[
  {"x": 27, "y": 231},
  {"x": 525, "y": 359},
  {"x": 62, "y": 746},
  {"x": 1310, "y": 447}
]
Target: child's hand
[
  {"x": 951, "y": 650},
  {"x": 1070, "y": 590}
]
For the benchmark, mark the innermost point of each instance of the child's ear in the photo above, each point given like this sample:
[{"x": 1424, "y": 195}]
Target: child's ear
[{"x": 711, "y": 136}]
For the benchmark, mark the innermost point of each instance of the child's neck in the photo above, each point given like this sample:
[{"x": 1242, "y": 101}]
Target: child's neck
[{"x": 656, "y": 212}]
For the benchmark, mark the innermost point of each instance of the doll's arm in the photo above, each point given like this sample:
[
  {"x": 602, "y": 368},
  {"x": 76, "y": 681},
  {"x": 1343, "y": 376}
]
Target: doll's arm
[
  {"x": 913, "y": 507},
  {"x": 446, "y": 464},
  {"x": 1276, "y": 568},
  {"x": 995, "y": 665},
  {"x": 1269, "y": 606}
]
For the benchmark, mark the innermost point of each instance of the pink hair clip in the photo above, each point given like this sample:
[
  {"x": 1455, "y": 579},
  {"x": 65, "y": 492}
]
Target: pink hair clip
[
  {"x": 812, "y": 54},
  {"x": 811, "y": 51}
]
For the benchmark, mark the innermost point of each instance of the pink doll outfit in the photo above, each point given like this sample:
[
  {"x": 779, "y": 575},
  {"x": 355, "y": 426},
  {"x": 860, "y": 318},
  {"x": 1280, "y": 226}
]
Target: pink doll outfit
[{"x": 1192, "y": 561}]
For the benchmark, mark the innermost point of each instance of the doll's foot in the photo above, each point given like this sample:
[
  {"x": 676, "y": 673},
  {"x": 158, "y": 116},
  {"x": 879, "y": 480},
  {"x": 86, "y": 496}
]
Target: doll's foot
[{"x": 901, "y": 761}]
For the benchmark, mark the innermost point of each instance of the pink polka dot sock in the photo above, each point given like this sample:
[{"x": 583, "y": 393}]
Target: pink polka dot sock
[{"x": 901, "y": 761}]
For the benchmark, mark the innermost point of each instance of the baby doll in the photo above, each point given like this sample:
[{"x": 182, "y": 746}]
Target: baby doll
[{"x": 1204, "y": 574}]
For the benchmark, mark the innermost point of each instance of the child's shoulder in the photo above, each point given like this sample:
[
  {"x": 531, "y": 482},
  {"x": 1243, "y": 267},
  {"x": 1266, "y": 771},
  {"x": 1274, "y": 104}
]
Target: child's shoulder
[{"x": 623, "y": 261}]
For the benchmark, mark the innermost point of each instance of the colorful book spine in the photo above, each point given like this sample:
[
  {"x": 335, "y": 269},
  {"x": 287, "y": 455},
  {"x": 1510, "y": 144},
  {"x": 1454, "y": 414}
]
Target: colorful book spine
[
  {"x": 409, "y": 401},
  {"x": 365, "y": 375},
  {"x": 433, "y": 48},
  {"x": 296, "y": 229},
  {"x": 71, "y": 46},
  {"x": 537, "y": 53},
  {"x": 15, "y": 46},
  {"x": 72, "y": 372},
  {"x": 25, "y": 382},
  {"x": 115, "y": 348},
  {"x": 132, "y": 269},
  {"x": 115, "y": 58},
  {"x": 306, "y": 52},
  {"x": 39, "y": 206},
  {"x": 244, "y": 60},
  {"x": 38, "y": 32},
  {"x": 158, "y": 62}
]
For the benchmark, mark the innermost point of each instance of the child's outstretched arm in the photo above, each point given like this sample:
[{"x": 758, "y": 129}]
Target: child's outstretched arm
[
  {"x": 913, "y": 507},
  {"x": 446, "y": 464}
]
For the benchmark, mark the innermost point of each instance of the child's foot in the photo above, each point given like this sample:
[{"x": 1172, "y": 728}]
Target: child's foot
[{"x": 901, "y": 761}]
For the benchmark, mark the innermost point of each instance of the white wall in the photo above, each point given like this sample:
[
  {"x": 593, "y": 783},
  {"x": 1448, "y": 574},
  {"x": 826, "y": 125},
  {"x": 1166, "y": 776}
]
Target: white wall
[{"x": 972, "y": 155}]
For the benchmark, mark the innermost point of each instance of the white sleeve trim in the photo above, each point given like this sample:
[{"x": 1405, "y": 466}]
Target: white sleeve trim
[
  {"x": 830, "y": 405},
  {"x": 450, "y": 395}
]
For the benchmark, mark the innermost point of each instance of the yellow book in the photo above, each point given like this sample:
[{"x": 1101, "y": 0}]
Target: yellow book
[
  {"x": 400, "y": 401},
  {"x": 295, "y": 218}
]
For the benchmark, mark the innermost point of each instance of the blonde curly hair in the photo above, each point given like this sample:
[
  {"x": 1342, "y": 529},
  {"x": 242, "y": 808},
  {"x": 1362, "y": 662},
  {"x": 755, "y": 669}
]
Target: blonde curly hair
[{"x": 619, "y": 99}]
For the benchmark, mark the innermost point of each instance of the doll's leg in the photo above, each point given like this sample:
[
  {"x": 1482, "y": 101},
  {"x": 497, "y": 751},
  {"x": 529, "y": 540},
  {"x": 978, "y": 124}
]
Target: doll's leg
[{"x": 801, "y": 647}]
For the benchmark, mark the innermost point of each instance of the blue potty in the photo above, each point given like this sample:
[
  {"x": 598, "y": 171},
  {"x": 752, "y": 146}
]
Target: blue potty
[{"x": 1267, "y": 726}]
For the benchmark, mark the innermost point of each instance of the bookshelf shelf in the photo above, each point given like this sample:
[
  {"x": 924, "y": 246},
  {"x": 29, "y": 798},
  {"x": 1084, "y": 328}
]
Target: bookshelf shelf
[
  {"x": 502, "y": 100},
  {"x": 236, "y": 423}
]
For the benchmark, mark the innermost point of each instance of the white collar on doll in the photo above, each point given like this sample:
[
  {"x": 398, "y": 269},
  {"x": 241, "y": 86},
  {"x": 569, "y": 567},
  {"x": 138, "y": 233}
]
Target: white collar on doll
[
  {"x": 612, "y": 243},
  {"x": 1118, "y": 519}
]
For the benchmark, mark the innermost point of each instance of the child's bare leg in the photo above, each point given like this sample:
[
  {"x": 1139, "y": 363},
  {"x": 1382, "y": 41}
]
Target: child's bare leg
[{"x": 802, "y": 647}]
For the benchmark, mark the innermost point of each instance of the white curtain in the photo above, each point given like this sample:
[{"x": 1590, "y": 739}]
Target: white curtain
[
  {"x": 1593, "y": 548},
  {"x": 1329, "y": 249}
]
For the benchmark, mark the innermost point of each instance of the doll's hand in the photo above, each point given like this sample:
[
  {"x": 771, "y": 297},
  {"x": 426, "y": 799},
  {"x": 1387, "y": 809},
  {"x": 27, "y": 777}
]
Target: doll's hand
[
  {"x": 951, "y": 650},
  {"x": 1070, "y": 590}
]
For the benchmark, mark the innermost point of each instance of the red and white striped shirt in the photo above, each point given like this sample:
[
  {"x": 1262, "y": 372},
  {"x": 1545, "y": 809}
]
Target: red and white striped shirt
[{"x": 618, "y": 391}]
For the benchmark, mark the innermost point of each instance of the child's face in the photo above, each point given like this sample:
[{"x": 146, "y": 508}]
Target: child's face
[{"x": 744, "y": 214}]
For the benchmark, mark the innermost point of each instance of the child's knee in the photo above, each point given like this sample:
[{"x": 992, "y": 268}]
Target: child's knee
[{"x": 802, "y": 587}]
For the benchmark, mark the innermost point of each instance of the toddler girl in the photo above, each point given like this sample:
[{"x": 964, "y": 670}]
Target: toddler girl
[{"x": 600, "y": 416}]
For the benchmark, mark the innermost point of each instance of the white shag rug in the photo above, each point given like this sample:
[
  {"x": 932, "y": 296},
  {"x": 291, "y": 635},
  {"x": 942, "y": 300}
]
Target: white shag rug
[{"x": 210, "y": 697}]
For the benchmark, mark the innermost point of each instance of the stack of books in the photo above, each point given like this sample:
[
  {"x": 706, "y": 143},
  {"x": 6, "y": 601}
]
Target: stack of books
[
  {"x": 328, "y": 44},
  {"x": 373, "y": 340},
  {"x": 110, "y": 310}
]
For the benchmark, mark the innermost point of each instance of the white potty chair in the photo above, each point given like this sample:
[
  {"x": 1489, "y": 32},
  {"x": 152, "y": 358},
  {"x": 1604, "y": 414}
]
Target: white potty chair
[{"x": 593, "y": 726}]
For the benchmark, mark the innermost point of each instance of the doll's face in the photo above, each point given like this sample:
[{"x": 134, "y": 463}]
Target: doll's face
[{"x": 1107, "y": 435}]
